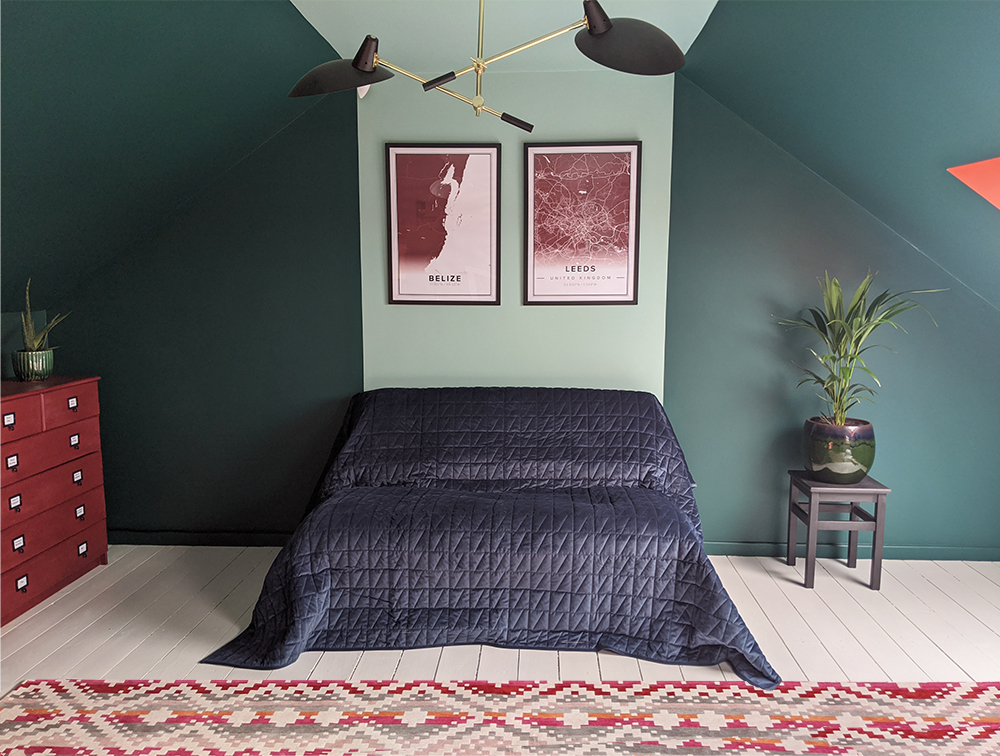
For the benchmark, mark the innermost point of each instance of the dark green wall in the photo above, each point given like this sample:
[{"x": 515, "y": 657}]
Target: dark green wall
[
  {"x": 880, "y": 98},
  {"x": 751, "y": 230},
  {"x": 116, "y": 113},
  {"x": 226, "y": 324}
]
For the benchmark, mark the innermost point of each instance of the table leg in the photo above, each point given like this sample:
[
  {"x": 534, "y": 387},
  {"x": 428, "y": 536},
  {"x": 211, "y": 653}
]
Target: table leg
[
  {"x": 877, "y": 538},
  {"x": 812, "y": 530},
  {"x": 793, "y": 524},
  {"x": 852, "y": 541}
]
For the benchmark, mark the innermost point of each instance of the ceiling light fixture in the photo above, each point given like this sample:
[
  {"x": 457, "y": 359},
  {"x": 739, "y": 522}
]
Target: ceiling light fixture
[{"x": 624, "y": 44}]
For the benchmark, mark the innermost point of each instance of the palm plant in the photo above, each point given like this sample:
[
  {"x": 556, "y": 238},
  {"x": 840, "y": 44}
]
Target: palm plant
[
  {"x": 844, "y": 332},
  {"x": 35, "y": 341}
]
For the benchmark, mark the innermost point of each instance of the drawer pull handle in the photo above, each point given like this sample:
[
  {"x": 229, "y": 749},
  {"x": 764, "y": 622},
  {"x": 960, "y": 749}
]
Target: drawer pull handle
[
  {"x": 74, "y": 440},
  {"x": 73, "y": 403},
  {"x": 12, "y": 462},
  {"x": 18, "y": 544},
  {"x": 81, "y": 550},
  {"x": 78, "y": 477},
  {"x": 9, "y": 419},
  {"x": 14, "y": 502},
  {"x": 22, "y": 584},
  {"x": 80, "y": 512}
]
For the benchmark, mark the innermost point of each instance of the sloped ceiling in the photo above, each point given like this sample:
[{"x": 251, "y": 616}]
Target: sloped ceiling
[
  {"x": 117, "y": 113},
  {"x": 430, "y": 37},
  {"x": 879, "y": 98}
]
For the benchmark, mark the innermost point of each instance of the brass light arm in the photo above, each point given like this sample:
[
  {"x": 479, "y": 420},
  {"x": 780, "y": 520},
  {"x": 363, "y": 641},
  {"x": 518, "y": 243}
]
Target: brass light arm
[
  {"x": 482, "y": 13},
  {"x": 383, "y": 62},
  {"x": 507, "y": 53},
  {"x": 552, "y": 35}
]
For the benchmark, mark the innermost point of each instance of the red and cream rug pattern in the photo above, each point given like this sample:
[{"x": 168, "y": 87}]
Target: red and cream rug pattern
[{"x": 311, "y": 718}]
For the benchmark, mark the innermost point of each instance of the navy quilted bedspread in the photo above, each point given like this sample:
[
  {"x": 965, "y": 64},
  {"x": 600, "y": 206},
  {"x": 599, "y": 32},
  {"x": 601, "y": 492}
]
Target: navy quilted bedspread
[{"x": 518, "y": 517}]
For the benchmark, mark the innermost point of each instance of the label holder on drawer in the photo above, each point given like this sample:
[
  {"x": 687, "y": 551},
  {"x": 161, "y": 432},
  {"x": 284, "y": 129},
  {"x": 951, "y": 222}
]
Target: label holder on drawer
[
  {"x": 80, "y": 512},
  {"x": 78, "y": 477},
  {"x": 12, "y": 462},
  {"x": 14, "y": 502},
  {"x": 18, "y": 544},
  {"x": 73, "y": 403},
  {"x": 21, "y": 584},
  {"x": 81, "y": 550},
  {"x": 9, "y": 419}
]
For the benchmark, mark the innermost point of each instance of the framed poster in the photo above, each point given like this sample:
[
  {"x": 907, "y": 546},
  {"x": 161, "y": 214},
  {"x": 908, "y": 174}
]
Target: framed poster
[
  {"x": 582, "y": 223},
  {"x": 444, "y": 223}
]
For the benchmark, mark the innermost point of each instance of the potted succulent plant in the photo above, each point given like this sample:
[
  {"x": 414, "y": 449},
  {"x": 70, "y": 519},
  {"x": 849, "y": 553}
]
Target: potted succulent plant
[
  {"x": 34, "y": 362},
  {"x": 838, "y": 448}
]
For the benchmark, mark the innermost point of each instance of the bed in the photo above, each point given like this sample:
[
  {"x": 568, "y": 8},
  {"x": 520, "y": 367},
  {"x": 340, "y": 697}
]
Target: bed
[{"x": 544, "y": 518}]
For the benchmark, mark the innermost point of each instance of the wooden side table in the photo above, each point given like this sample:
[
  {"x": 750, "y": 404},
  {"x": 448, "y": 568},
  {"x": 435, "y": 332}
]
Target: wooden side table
[{"x": 829, "y": 497}]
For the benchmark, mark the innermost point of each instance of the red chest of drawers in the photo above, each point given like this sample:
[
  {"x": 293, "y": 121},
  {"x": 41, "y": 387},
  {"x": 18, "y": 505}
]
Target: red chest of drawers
[{"x": 52, "y": 512}]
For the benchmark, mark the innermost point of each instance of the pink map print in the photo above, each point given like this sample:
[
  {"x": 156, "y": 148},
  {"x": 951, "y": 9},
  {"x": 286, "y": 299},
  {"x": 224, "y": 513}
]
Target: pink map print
[
  {"x": 581, "y": 208},
  {"x": 424, "y": 184}
]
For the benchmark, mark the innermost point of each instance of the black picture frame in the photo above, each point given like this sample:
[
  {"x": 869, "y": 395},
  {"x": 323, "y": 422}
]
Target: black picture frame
[
  {"x": 443, "y": 222},
  {"x": 581, "y": 210}
]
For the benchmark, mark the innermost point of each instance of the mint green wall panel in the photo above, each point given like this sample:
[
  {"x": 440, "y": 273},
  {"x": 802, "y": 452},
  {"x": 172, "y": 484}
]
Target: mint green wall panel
[
  {"x": 751, "y": 230},
  {"x": 597, "y": 346}
]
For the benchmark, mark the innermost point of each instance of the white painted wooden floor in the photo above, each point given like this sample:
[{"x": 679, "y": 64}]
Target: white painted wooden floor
[{"x": 154, "y": 611}]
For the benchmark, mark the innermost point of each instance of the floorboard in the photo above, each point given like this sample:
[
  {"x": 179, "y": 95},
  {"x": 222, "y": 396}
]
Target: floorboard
[
  {"x": 222, "y": 624},
  {"x": 497, "y": 664},
  {"x": 188, "y": 617},
  {"x": 300, "y": 669},
  {"x": 581, "y": 666},
  {"x": 617, "y": 667},
  {"x": 377, "y": 665},
  {"x": 904, "y": 629},
  {"x": 155, "y": 611},
  {"x": 946, "y": 622},
  {"x": 336, "y": 665},
  {"x": 457, "y": 663},
  {"x": 418, "y": 664},
  {"x": 990, "y": 570},
  {"x": 534, "y": 664},
  {"x": 836, "y": 632},
  {"x": 767, "y": 636},
  {"x": 809, "y": 653},
  {"x": 972, "y": 578},
  {"x": 160, "y": 600}
]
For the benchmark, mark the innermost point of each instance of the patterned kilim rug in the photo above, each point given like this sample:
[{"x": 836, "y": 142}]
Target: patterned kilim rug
[{"x": 222, "y": 718}]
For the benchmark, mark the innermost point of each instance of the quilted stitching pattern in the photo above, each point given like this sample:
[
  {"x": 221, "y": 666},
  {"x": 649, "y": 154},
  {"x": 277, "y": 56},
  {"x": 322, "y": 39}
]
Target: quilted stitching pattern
[
  {"x": 488, "y": 439},
  {"x": 500, "y": 516}
]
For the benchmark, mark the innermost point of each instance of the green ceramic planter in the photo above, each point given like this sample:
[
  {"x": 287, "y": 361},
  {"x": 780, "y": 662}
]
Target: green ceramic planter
[
  {"x": 841, "y": 454},
  {"x": 32, "y": 366}
]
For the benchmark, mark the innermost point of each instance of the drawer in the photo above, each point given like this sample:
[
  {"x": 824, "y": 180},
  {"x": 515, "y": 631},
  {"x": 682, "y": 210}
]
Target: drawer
[
  {"x": 22, "y": 416},
  {"x": 25, "y": 540},
  {"x": 34, "y": 454},
  {"x": 67, "y": 405},
  {"x": 26, "y": 498},
  {"x": 23, "y": 586}
]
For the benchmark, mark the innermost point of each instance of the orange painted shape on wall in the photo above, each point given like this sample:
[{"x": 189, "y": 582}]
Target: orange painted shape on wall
[{"x": 982, "y": 177}]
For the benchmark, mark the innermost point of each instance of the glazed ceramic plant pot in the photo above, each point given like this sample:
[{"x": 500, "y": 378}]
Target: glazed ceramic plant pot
[
  {"x": 32, "y": 366},
  {"x": 841, "y": 454}
]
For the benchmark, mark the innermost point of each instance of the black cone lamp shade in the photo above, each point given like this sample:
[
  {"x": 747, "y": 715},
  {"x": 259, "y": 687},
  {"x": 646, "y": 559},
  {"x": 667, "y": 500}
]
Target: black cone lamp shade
[
  {"x": 338, "y": 75},
  {"x": 627, "y": 44}
]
